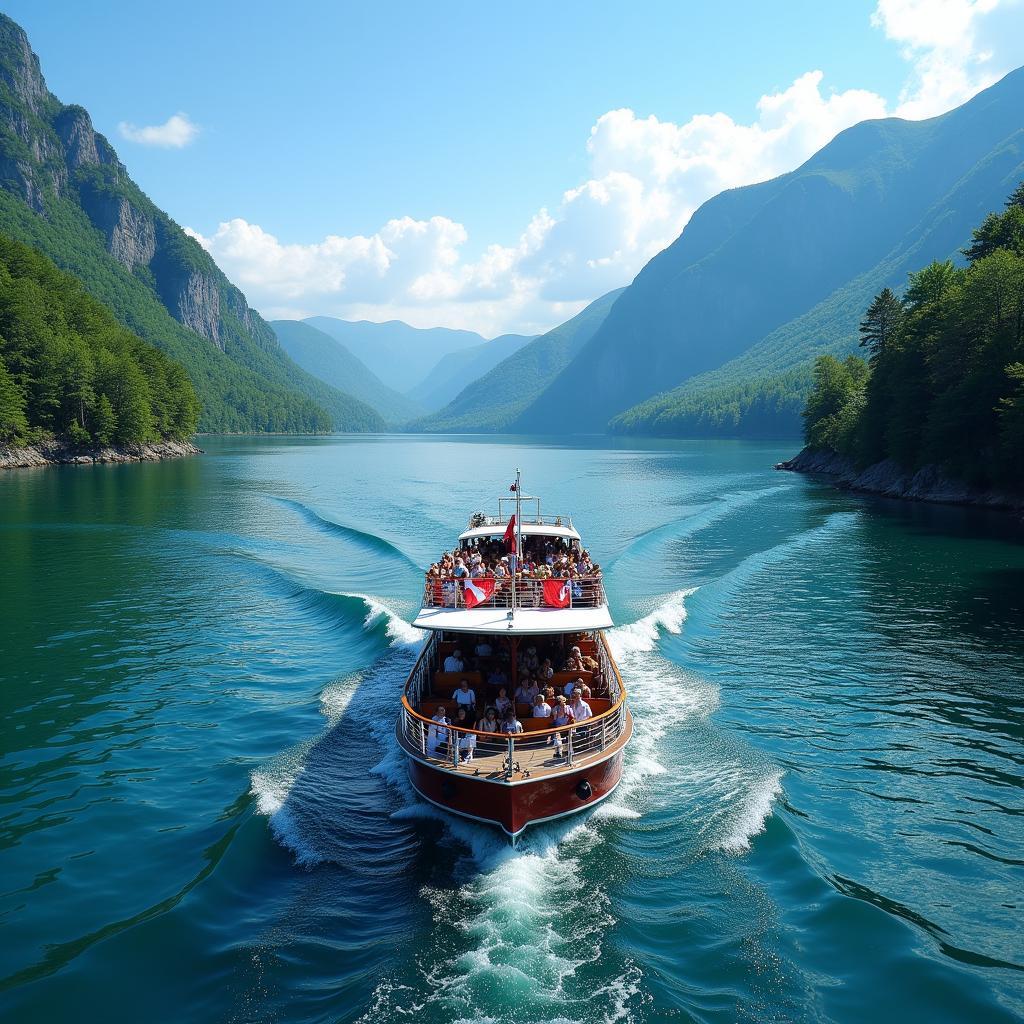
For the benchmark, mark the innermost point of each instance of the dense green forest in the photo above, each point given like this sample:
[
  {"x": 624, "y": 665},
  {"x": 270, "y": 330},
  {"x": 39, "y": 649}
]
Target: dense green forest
[
  {"x": 944, "y": 379},
  {"x": 69, "y": 370}
]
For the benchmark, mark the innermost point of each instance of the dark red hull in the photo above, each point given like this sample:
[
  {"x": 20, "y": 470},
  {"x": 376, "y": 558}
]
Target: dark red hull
[{"x": 513, "y": 806}]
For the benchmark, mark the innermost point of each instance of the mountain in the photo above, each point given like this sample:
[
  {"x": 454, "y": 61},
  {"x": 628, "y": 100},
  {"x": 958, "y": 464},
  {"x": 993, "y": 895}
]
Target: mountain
[
  {"x": 330, "y": 361},
  {"x": 458, "y": 370},
  {"x": 400, "y": 355},
  {"x": 766, "y": 276},
  {"x": 64, "y": 192},
  {"x": 496, "y": 402}
]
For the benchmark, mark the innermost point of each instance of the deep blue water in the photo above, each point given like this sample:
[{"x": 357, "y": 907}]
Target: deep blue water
[{"x": 202, "y": 816}]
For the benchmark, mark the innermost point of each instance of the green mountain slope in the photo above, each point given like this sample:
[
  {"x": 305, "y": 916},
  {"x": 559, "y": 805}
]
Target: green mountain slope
[
  {"x": 497, "y": 400},
  {"x": 754, "y": 260},
  {"x": 400, "y": 355},
  {"x": 762, "y": 391},
  {"x": 64, "y": 192},
  {"x": 329, "y": 360},
  {"x": 458, "y": 370}
]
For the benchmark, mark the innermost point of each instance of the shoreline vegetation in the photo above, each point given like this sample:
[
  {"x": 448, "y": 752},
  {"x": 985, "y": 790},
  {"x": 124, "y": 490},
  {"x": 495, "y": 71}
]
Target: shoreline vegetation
[
  {"x": 60, "y": 453},
  {"x": 936, "y": 411}
]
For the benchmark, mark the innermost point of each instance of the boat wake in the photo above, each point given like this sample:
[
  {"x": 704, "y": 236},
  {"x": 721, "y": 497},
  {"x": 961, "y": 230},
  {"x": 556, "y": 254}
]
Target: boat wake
[{"x": 511, "y": 940}]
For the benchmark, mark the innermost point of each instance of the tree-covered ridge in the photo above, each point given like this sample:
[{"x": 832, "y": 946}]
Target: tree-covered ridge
[
  {"x": 69, "y": 370},
  {"x": 943, "y": 382}
]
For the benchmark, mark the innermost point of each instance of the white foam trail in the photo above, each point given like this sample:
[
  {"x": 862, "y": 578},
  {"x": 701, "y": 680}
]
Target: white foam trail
[
  {"x": 752, "y": 814},
  {"x": 401, "y": 632}
]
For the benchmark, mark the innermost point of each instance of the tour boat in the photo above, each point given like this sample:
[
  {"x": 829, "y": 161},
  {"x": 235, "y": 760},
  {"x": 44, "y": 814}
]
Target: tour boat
[{"x": 499, "y": 629}]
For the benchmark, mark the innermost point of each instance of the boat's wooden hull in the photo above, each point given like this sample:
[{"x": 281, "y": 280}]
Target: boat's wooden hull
[{"x": 513, "y": 806}]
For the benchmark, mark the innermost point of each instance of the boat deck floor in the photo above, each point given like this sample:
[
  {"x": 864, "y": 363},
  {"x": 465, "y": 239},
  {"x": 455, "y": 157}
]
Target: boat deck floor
[{"x": 534, "y": 757}]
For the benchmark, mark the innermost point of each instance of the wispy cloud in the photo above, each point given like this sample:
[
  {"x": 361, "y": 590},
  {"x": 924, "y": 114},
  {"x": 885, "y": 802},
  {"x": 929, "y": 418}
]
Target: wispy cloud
[
  {"x": 646, "y": 176},
  {"x": 178, "y": 131}
]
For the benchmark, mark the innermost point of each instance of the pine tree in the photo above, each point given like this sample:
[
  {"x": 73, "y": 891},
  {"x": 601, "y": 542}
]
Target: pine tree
[
  {"x": 13, "y": 423},
  {"x": 104, "y": 421},
  {"x": 1016, "y": 196},
  {"x": 881, "y": 322}
]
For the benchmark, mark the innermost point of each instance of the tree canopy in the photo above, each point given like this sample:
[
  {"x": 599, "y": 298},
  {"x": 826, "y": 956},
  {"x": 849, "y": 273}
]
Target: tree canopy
[
  {"x": 946, "y": 385},
  {"x": 69, "y": 370}
]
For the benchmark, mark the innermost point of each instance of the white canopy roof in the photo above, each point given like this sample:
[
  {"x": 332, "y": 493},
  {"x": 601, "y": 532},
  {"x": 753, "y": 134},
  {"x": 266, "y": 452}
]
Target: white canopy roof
[{"x": 528, "y": 530}]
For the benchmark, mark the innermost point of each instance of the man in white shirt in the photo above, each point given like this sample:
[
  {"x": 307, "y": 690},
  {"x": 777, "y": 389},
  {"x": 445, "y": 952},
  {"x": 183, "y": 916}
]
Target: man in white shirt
[
  {"x": 453, "y": 663},
  {"x": 464, "y": 696},
  {"x": 541, "y": 708}
]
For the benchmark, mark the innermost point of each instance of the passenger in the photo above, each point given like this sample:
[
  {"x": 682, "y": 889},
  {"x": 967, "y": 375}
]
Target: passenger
[
  {"x": 545, "y": 672},
  {"x": 437, "y": 734},
  {"x": 467, "y": 740},
  {"x": 454, "y": 662},
  {"x": 497, "y": 677},
  {"x": 541, "y": 708},
  {"x": 483, "y": 648},
  {"x": 561, "y": 717},
  {"x": 460, "y": 572},
  {"x": 464, "y": 696},
  {"x": 490, "y": 722},
  {"x": 530, "y": 692},
  {"x": 510, "y": 724},
  {"x": 572, "y": 686},
  {"x": 502, "y": 702},
  {"x": 549, "y": 694},
  {"x": 580, "y": 709}
]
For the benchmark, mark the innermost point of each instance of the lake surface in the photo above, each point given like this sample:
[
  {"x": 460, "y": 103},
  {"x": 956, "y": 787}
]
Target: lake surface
[{"x": 204, "y": 818}]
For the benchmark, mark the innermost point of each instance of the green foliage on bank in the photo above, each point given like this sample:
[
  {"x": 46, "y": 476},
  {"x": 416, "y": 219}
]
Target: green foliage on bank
[
  {"x": 69, "y": 370},
  {"x": 944, "y": 379}
]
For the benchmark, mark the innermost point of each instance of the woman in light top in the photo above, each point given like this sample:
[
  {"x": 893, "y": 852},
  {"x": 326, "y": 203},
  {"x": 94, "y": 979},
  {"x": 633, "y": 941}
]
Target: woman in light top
[
  {"x": 490, "y": 721},
  {"x": 437, "y": 734},
  {"x": 502, "y": 702},
  {"x": 467, "y": 740},
  {"x": 464, "y": 696},
  {"x": 545, "y": 672}
]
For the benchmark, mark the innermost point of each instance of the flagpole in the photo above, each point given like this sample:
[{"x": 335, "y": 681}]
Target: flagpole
[{"x": 519, "y": 520}]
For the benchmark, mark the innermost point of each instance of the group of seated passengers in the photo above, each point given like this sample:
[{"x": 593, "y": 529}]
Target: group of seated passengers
[
  {"x": 542, "y": 559},
  {"x": 530, "y": 664},
  {"x": 563, "y": 709}
]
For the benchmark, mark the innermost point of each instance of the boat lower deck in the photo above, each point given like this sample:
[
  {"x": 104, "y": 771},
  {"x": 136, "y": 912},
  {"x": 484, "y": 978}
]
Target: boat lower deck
[{"x": 531, "y": 758}]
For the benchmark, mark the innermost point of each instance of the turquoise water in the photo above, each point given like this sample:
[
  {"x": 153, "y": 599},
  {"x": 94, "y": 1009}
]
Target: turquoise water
[{"x": 203, "y": 817}]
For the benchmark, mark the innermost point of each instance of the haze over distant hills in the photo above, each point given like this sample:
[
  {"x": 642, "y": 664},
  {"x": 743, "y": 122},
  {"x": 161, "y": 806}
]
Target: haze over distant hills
[{"x": 329, "y": 360}]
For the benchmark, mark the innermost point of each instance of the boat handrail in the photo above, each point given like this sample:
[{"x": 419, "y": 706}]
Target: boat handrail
[
  {"x": 479, "y": 520},
  {"x": 584, "y": 592}
]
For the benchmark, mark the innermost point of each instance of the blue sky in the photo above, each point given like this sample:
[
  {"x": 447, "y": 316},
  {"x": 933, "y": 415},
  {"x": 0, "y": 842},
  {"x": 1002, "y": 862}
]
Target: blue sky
[{"x": 414, "y": 159}]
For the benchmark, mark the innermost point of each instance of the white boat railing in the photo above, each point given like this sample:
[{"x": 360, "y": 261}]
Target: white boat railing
[{"x": 584, "y": 592}]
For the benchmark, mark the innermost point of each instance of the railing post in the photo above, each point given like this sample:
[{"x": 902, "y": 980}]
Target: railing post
[
  {"x": 604, "y": 733},
  {"x": 572, "y": 731},
  {"x": 423, "y": 738},
  {"x": 511, "y": 753},
  {"x": 453, "y": 742}
]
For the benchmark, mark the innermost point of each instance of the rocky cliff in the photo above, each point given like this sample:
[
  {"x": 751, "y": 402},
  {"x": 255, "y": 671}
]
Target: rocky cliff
[
  {"x": 890, "y": 480},
  {"x": 51, "y": 150}
]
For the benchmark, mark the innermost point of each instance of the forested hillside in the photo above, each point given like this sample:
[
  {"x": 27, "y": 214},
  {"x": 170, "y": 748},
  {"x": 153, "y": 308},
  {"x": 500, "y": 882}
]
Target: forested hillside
[
  {"x": 943, "y": 382},
  {"x": 64, "y": 192},
  {"x": 69, "y": 370}
]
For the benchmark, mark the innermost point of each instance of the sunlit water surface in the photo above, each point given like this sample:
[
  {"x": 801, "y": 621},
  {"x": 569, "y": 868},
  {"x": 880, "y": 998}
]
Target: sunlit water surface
[{"x": 203, "y": 818}]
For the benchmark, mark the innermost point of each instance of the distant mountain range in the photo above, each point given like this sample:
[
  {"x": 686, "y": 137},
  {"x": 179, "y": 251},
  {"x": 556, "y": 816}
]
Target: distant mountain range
[
  {"x": 499, "y": 400},
  {"x": 327, "y": 358}
]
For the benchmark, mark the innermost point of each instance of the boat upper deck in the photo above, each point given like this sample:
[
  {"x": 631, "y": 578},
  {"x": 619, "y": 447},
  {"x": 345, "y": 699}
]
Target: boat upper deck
[{"x": 518, "y": 573}]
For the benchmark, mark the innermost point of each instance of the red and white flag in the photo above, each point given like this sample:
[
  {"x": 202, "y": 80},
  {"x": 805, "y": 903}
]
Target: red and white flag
[
  {"x": 510, "y": 535},
  {"x": 478, "y": 591},
  {"x": 557, "y": 593}
]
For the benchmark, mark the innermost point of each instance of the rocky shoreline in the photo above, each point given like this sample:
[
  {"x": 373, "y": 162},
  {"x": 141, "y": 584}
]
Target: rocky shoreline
[
  {"x": 890, "y": 480},
  {"x": 56, "y": 453}
]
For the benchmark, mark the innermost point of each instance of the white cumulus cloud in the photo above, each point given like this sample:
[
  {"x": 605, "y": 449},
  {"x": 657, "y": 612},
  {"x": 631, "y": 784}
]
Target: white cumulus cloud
[
  {"x": 645, "y": 178},
  {"x": 176, "y": 132}
]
